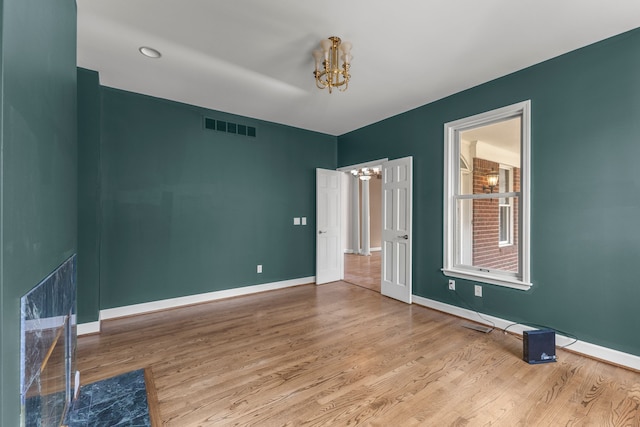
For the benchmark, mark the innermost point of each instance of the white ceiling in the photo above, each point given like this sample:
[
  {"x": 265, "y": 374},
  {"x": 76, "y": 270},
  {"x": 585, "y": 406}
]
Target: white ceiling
[{"x": 253, "y": 57}]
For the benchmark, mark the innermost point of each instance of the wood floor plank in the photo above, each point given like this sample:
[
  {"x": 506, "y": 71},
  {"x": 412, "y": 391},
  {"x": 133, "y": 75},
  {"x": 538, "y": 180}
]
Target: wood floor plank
[
  {"x": 339, "y": 354},
  {"x": 363, "y": 270}
]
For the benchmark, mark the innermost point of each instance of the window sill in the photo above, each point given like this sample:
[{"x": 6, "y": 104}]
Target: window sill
[{"x": 478, "y": 276}]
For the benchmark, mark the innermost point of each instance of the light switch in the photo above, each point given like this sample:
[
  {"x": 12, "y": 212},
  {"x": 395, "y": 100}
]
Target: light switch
[
  {"x": 304, "y": 220},
  {"x": 296, "y": 221}
]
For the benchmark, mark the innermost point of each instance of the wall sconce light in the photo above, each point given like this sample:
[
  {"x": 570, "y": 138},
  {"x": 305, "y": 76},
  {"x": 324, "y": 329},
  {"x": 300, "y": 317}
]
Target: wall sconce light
[{"x": 492, "y": 181}]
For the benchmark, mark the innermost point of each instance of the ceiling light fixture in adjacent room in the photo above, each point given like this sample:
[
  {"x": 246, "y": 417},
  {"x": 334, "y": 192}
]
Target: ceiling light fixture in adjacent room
[
  {"x": 150, "y": 52},
  {"x": 333, "y": 71},
  {"x": 366, "y": 174}
]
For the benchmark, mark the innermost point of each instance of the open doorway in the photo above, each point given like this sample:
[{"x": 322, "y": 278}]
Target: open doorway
[
  {"x": 362, "y": 216},
  {"x": 397, "y": 237}
]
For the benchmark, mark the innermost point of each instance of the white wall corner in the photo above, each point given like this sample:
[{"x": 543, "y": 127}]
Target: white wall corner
[{"x": 605, "y": 354}]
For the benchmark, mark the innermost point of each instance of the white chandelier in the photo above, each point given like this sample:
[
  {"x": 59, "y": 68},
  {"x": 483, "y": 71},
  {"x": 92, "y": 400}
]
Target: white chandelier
[{"x": 330, "y": 72}]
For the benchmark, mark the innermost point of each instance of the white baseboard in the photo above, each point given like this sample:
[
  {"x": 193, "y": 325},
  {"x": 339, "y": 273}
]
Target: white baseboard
[
  {"x": 592, "y": 350},
  {"x": 351, "y": 251},
  {"x": 88, "y": 328},
  {"x": 148, "y": 307}
]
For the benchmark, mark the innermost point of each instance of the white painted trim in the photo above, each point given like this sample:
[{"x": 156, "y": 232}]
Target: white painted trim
[
  {"x": 592, "y": 350},
  {"x": 494, "y": 279},
  {"x": 363, "y": 165},
  {"x": 351, "y": 251},
  {"x": 148, "y": 307},
  {"x": 88, "y": 328},
  {"x": 451, "y": 177}
]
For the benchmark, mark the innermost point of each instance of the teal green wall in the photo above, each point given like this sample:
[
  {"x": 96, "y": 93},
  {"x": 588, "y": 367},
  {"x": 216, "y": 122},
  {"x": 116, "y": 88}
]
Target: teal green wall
[
  {"x": 187, "y": 210},
  {"x": 89, "y": 206},
  {"x": 38, "y": 164},
  {"x": 585, "y": 190}
]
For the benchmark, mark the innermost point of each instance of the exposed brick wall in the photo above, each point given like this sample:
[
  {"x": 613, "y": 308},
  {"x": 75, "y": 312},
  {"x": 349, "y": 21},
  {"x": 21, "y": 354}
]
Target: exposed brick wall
[{"x": 486, "y": 222}]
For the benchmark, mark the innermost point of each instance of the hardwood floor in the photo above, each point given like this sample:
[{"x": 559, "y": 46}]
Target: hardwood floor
[
  {"x": 338, "y": 355},
  {"x": 363, "y": 270}
]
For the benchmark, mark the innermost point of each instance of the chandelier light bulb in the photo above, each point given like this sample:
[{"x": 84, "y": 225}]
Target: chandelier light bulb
[
  {"x": 325, "y": 45},
  {"x": 345, "y": 47},
  {"x": 317, "y": 55}
]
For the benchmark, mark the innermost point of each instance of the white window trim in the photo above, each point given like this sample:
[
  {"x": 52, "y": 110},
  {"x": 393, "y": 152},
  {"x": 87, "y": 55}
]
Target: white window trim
[
  {"x": 510, "y": 220},
  {"x": 452, "y": 154},
  {"x": 509, "y": 241}
]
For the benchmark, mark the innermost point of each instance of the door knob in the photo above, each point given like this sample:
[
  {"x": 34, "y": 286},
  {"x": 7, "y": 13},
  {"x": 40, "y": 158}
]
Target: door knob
[
  {"x": 405, "y": 237},
  {"x": 320, "y": 232}
]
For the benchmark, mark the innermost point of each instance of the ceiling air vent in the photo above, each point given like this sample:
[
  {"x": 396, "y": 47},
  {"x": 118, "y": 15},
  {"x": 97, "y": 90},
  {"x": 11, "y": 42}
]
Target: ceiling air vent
[{"x": 228, "y": 127}]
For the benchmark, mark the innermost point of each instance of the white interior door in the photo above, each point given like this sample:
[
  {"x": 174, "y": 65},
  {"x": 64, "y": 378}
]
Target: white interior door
[
  {"x": 397, "y": 196},
  {"x": 329, "y": 256}
]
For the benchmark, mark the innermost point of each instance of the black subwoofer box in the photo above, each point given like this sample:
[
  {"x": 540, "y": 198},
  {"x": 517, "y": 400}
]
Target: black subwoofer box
[{"x": 539, "y": 346}]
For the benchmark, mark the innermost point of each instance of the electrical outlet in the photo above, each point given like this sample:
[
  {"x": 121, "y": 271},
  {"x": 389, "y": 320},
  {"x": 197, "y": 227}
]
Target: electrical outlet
[
  {"x": 477, "y": 290},
  {"x": 259, "y": 268},
  {"x": 452, "y": 285}
]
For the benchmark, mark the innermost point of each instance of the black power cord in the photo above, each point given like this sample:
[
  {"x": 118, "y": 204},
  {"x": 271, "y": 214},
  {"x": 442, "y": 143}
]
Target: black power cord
[
  {"x": 557, "y": 331},
  {"x": 534, "y": 325},
  {"x": 493, "y": 325}
]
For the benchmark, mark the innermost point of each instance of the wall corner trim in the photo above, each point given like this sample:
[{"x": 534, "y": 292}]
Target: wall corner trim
[
  {"x": 591, "y": 350},
  {"x": 148, "y": 307}
]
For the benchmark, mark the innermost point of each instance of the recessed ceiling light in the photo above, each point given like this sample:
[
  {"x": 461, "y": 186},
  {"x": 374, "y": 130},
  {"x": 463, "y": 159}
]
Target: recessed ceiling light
[{"x": 150, "y": 52}]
